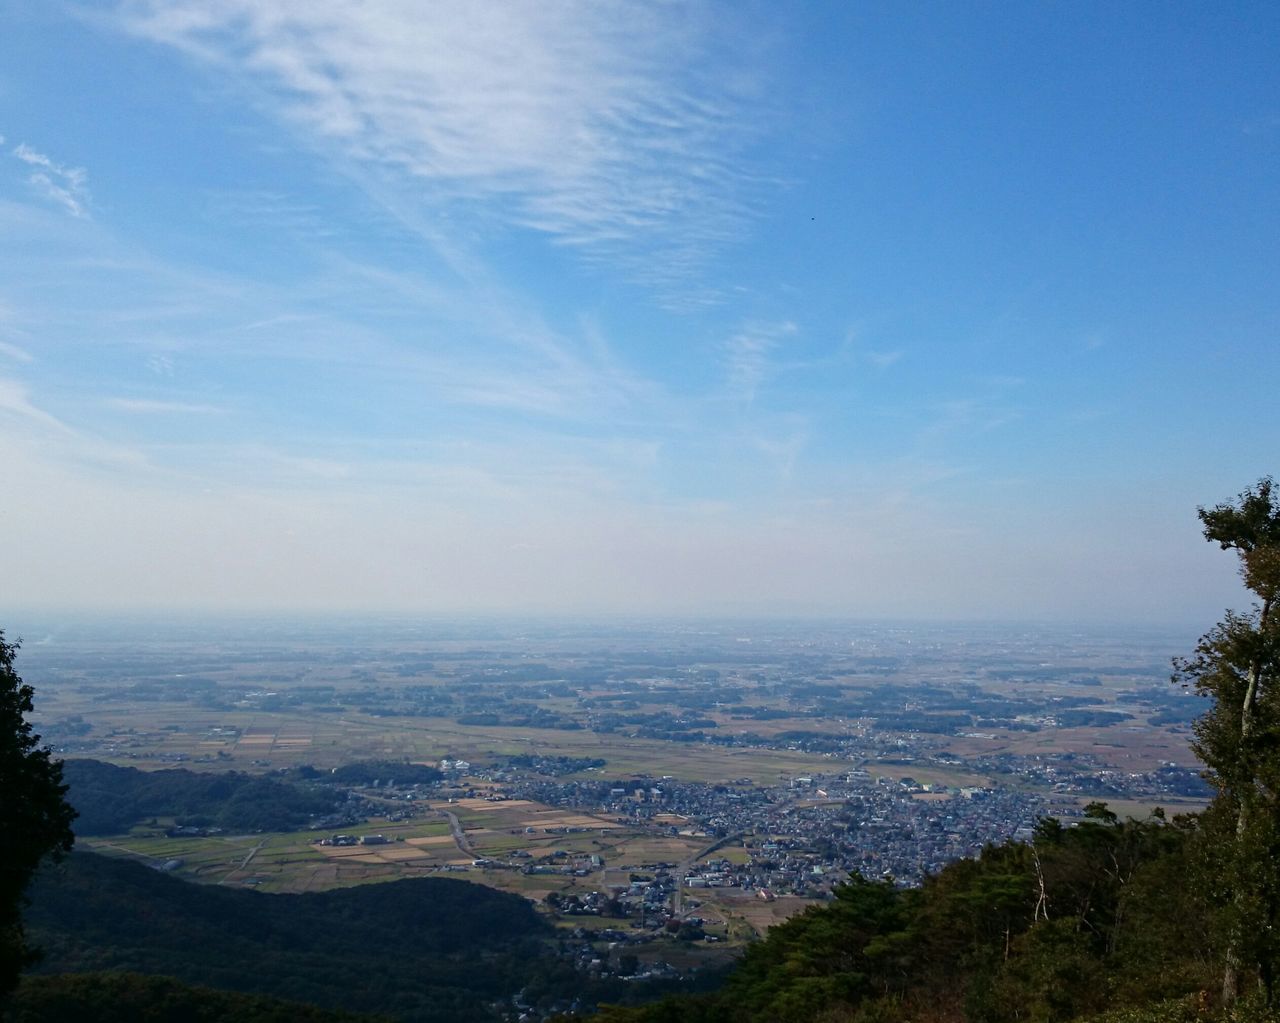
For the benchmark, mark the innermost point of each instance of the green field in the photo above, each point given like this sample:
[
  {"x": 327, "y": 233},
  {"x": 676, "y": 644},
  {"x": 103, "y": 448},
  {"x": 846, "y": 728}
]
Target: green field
[
  {"x": 294, "y": 861},
  {"x": 163, "y": 733}
]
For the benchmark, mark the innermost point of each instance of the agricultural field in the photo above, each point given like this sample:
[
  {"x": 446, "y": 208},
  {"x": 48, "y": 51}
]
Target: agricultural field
[
  {"x": 747, "y": 915},
  {"x": 583, "y": 759},
  {"x": 492, "y": 830}
]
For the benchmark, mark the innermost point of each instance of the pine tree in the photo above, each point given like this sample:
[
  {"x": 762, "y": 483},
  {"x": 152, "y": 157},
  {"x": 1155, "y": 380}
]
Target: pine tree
[
  {"x": 1237, "y": 664},
  {"x": 35, "y": 819}
]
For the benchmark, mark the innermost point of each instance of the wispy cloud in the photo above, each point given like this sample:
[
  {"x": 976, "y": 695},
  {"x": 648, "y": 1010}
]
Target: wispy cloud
[
  {"x": 1264, "y": 124},
  {"x": 148, "y": 406},
  {"x": 398, "y": 333},
  {"x": 15, "y": 353},
  {"x": 161, "y": 364},
  {"x": 883, "y": 360},
  {"x": 968, "y": 416},
  {"x": 15, "y": 401},
  {"x": 277, "y": 211},
  {"x": 747, "y": 356},
  {"x": 600, "y": 123},
  {"x": 67, "y": 186},
  {"x": 783, "y": 451},
  {"x": 26, "y": 426}
]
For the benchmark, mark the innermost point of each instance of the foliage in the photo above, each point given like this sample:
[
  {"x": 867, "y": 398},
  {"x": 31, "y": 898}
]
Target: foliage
[
  {"x": 366, "y": 772},
  {"x": 1126, "y": 922},
  {"x": 1077, "y": 922},
  {"x": 133, "y": 998},
  {"x": 112, "y": 799},
  {"x": 1237, "y": 665},
  {"x": 435, "y": 950},
  {"x": 422, "y": 949},
  {"x": 1108, "y": 920},
  {"x": 35, "y": 819}
]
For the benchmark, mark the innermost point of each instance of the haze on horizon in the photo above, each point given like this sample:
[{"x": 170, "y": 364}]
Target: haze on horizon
[{"x": 939, "y": 311}]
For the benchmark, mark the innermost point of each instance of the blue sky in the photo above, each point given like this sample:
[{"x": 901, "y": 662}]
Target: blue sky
[{"x": 886, "y": 310}]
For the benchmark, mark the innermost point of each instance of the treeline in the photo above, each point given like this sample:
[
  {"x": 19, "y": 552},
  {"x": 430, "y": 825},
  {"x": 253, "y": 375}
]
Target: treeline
[
  {"x": 418, "y": 950},
  {"x": 496, "y": 713},
  {"x": 550, "y": 765},
  {"x": 425, "y": 949},
  {"x": 134, "y": 998},
  {"x": 1105, "y": 916},
  {"x": 386, "y": 772},
  {"x": 111, "y": 799}
]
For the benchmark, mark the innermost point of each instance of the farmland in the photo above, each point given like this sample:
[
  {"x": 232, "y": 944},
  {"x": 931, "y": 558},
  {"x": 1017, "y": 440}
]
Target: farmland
[{"x": 580, "y": 758}]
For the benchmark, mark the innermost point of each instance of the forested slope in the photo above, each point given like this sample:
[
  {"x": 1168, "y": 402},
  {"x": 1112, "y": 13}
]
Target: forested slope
[
  {"x": 110, "y": 799},
  {"x": 133, "y": 998},
  {"x": 421, "y": 949},
  {"x": 1105, "y": 916}
]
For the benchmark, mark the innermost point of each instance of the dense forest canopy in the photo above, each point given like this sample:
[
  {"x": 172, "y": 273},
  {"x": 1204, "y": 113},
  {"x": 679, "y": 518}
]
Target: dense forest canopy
[
  {"x": 427, "y": 949},
  {"x": 110, "y": 799},
  {"x": 35, "y": 819}
]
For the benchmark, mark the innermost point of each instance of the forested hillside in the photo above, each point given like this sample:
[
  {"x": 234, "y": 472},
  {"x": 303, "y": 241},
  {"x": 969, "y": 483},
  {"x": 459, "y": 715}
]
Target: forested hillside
[
  {"x": 422, "y": 949},
  {"x": 110, "y": 799},
  {"x": 1081, "y": 921},
  {"x": 134, "y": 998}
]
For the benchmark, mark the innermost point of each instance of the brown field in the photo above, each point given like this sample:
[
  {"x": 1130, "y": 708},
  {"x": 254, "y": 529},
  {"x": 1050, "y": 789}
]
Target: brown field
[
  {"x": 732, "y": 853},
  {"x": 487, "y": 805},
  {"x": 1129, "y": 747},
  {"x": 515, "y": 815},
  {"x": 1141, "y": 808},
  {"x": 755, "y": 912},
  {"x": 237, "y": 736},
  {"x": 162, "y": 732},
  {"x": 649, "y": 849}
]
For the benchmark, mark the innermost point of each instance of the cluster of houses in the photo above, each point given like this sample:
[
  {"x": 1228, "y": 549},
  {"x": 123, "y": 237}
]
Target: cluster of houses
[
  {"x": 807, "y": 835},
  {"x": 354, "y": 840}
]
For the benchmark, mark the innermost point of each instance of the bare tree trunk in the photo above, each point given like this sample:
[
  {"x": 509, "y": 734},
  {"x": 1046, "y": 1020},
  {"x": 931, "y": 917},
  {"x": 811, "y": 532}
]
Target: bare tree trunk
[
  {"x": 1042, "y": 901},
  {"x": 1231, "y": 971},
  {"x": 1251, "y": 690}
]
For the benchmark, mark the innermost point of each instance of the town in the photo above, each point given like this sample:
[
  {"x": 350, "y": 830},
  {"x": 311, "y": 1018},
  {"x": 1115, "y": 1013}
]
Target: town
[{"x": 694, "y": 795}]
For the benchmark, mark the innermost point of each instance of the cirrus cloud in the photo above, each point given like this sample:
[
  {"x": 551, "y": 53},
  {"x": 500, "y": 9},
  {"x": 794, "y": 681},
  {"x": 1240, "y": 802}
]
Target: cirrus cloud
[
  {"x": 67, "y": 186},
  {"x": 606, "y": 125}
]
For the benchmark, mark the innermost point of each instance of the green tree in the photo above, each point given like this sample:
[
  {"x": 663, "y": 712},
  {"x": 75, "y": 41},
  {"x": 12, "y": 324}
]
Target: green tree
[
  {"x": 35, "y": 819},
  {"x": 1237, "y": 664}
]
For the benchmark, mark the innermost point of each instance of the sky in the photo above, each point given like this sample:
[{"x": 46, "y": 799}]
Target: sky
[{"x": 910, "y": 310}]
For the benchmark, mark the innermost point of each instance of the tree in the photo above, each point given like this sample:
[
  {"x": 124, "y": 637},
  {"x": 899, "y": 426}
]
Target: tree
[
  {"x": 1237, "y": 664},
  {"x": 35, "y": 818}
]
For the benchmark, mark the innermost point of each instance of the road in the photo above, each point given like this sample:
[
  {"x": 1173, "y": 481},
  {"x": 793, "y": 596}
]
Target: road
[
  {"x": 685, "y": 865},
  {"x": 459, "y": 836}
]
